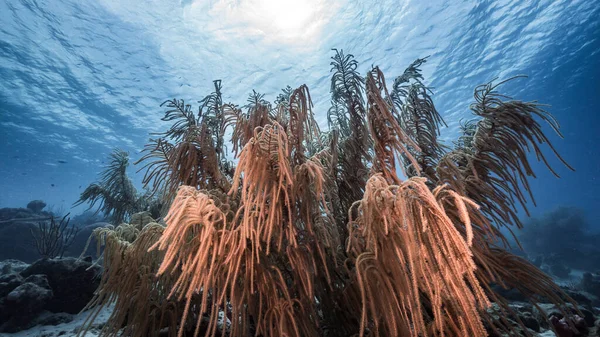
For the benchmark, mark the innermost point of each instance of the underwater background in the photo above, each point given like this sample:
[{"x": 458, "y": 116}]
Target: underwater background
[{"x": 79, "y": 78}]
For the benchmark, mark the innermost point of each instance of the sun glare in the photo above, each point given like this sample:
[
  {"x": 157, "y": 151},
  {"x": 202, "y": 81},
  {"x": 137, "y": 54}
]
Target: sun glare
[
  {"x": 293, "y": 22},
  {"x": 289, "y": 17}
]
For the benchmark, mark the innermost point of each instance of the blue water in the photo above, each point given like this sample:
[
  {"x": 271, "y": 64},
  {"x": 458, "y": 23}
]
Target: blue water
[{"x": 80, "y": 77}]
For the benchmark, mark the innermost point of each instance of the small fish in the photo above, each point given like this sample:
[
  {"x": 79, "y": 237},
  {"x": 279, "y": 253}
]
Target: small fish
[
  {"x": 52, "y": 185},
  {"x": 62, "y": 161},
  {"x": 79, "y": 186},
  {"x": 23, "y": 173}
]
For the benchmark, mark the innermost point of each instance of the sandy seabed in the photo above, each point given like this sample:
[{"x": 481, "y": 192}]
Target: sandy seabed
[{"x": 65, "y": 329}]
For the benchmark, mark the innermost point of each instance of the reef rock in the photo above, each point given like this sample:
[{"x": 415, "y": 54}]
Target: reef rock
[
  {"x": 36, "y": 205},
  {"x": 48, "y": 291},
  {"x": 73, "y": 282},
  {"x": 78, "y": 247},
  {"x": 21, "y": 305}
]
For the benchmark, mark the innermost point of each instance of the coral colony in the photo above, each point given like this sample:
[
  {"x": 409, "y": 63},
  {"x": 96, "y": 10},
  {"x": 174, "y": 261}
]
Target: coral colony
[{"x": 370, "y": 228}]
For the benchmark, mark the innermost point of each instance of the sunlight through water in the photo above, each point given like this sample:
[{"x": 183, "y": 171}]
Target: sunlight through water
[{"x": 272, "y": 21}]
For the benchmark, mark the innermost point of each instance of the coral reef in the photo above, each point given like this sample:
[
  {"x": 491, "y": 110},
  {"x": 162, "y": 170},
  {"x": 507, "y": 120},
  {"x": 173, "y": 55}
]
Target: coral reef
[{"x": 372, "y": 228}]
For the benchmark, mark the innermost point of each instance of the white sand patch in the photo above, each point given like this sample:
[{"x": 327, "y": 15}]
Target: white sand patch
[{"x": 66, "y": 329}]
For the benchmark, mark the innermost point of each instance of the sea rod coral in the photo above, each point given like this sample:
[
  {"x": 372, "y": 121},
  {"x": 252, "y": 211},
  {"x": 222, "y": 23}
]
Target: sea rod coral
[{"x": 371, "y": 228}]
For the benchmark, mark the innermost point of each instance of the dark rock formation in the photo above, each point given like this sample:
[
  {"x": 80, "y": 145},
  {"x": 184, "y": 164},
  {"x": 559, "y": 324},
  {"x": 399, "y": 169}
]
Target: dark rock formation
[
  {"x": 22, "y": 304},
  {"x": 12, "y": 266},
  {"x": 47, "y": 292},
  {"x": 591, "y": 283},
  {"x": 16, "y": 240},
  {"x": 36, "y": 205},
  {"x": 72, "y": 281},
  {"x": 78, "y": 246}
]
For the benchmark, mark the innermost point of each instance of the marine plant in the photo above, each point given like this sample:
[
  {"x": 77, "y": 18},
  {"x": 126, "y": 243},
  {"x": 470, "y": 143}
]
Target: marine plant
[
  {"x": 191, "y": 152},
  {"x": 115, "y": 193},
  {"x": 52, "y": 239},
  {"x": 372, "y": 228}
]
